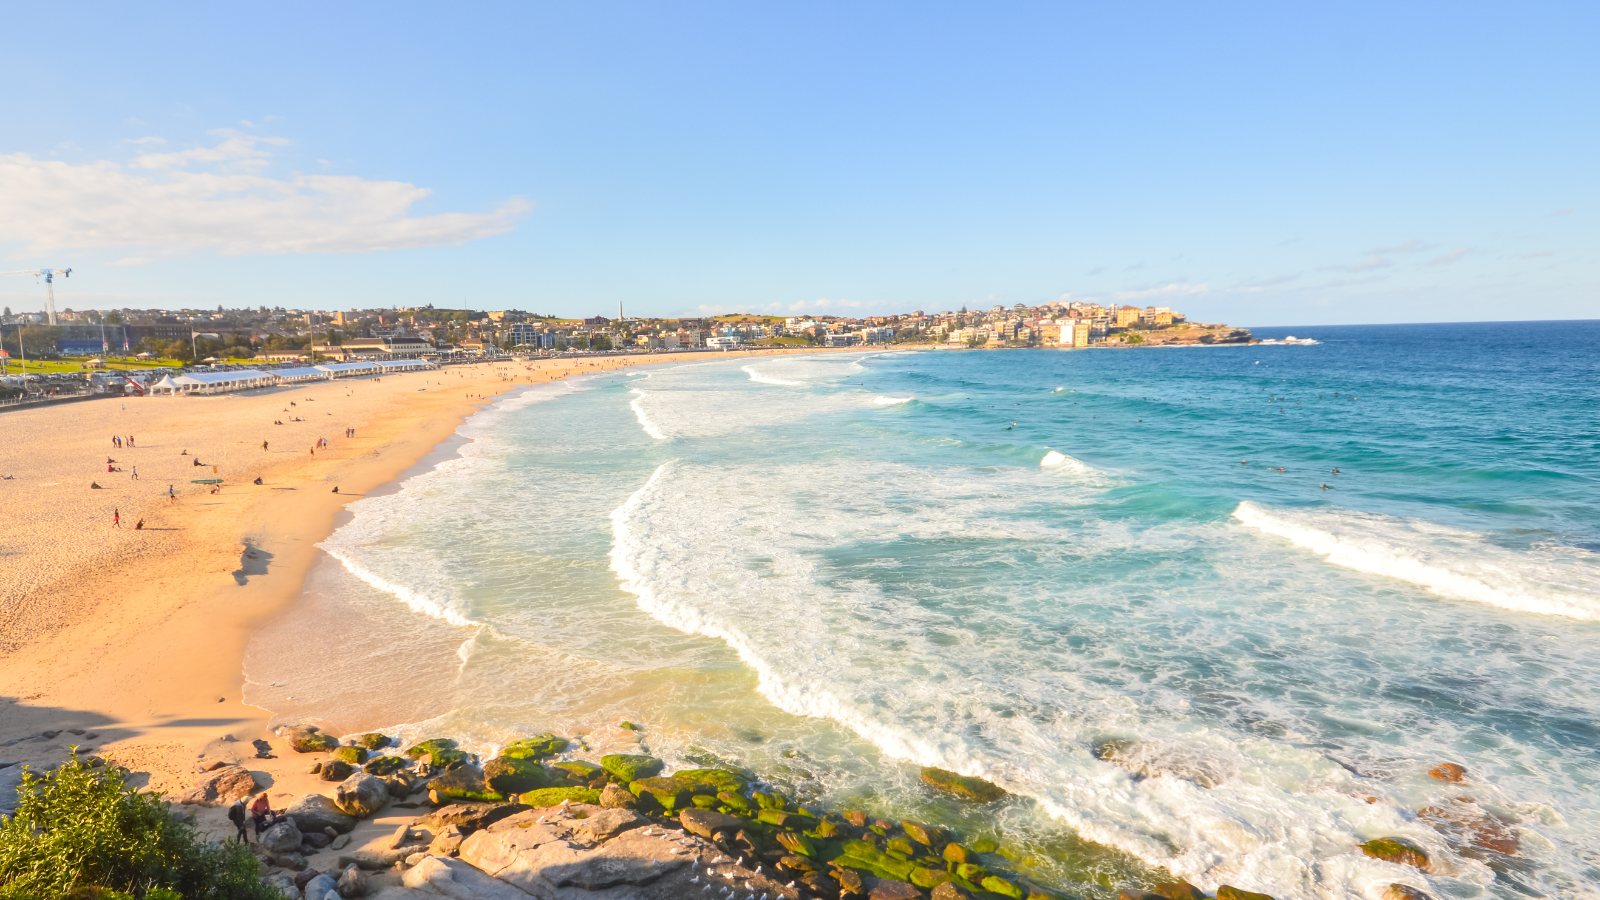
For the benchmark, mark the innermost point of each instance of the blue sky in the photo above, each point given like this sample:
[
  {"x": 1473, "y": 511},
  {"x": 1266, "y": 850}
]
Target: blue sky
[{"x": 1256, "y": 164}]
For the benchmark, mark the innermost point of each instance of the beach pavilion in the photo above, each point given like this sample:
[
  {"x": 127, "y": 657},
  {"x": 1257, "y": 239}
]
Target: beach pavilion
[
  {"x": 350, "y": 369},
  {"x": 298, "y": 375},
  {"x": 212, "y": 382}
]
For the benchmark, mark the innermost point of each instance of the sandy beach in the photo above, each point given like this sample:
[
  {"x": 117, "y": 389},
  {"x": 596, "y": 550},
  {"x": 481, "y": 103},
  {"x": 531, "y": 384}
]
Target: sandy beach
[{"x": 129, "y": 640}]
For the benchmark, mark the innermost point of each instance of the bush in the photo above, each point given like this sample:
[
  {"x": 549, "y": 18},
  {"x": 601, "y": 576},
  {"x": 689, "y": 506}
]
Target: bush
[{"x": 81, "y": 831}]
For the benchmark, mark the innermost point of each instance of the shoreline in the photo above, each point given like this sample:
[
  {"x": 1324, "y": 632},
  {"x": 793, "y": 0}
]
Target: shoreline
[{"x": 137, "y": 638}]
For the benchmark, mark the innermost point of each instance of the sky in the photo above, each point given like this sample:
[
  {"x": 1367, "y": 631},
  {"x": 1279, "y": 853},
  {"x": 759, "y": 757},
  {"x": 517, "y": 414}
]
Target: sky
[{"x": 1256, "y": 164}]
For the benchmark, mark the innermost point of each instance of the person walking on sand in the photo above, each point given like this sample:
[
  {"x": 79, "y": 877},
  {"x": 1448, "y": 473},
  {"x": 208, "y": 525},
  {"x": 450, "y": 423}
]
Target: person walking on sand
[
  {"x": 263, "y": 445},
  {"x": 236, "y": 815},
  {"x": 116, "y": 518},
  {"x": 135, "y": 472}
]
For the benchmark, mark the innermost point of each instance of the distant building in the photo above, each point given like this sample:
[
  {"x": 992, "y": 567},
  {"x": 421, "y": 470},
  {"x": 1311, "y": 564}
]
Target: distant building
[{"x": 723, "y": 342}]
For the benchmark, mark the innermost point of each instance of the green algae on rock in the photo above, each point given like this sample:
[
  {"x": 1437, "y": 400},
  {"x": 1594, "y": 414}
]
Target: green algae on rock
[
  {"x": 355, "y": 756},
  {"x": 630, "y": 767},
  {"x": 1396, "y": 850},
  {"x": 442, "y": 752},
  {"x": 554, "y": 795},
  {"x": 463, "y": 783},
  {"x": 963, "y": 786},
  {"x": 371, "y": 741},
  {"x": 579, "y": 770},
  {"x": 513, "y": 775},
  {"x": 1229, "y": 892},
  {"x": 384, "y": 765},
  {"x": 542, "y": 747}
]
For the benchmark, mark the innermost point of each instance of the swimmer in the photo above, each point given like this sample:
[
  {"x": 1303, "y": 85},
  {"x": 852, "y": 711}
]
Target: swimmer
[{"x": 1335, "y": 470}]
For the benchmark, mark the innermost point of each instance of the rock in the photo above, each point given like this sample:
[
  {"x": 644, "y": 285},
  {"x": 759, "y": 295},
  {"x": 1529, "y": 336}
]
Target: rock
[
  {"x": 922, "y": 834},
  {"x": 355, "y": 756},
  {"x": 399, "y": 788},
  {"x": 948, "y": 891},
  {"x": 307, "y": 739},
  {"x": 373, "y": 860},
  {"x": 579, "y": 770},
  {"x": 1179, "y": 890},
  {"x": 440, "y": 752},
  {"x": 850, "y": 881},
  {"x": 967, "y": 788},
  {"x": 221, "y": 786},
  {"x": 464, "y": 783},
  {"x": 315, "y": 768},
  {"x": 925, "y": 877},
  {"x": 1472, "y": 831},
  {"x": 554, "y": 796},
  {"x": 630, "y": 767},
  {"x": 316, "y": 840},
  {"x": 458, "y": 881},
  {"x": 372, "y": 741},
  {"x": 1229, "y": 892},
  {"x": 707, "y": 823},
  {"x": 957, "y": 854},
  {"x": 384, "y": 765},
  {"x": 314, "y": 812},
  {"x": 447, "y": 842},
  {"x": 1404, "y": 892},
  {"x": 320, "y": 885},
  {"x": 283, "y": 837},
  {"x": 416, "y": 858},
  {"x": 994, "y": 884},
  {"x": 535, "y": 748},
  {"x": 304, "y": 878},
  {"x": 1396, "y": 850},
  {"x": 597, "y": 824},
  {"x": 1449, "y": 772},
  {"x": 294, "y": 861},
  {"x": 889, "y": 889},
  {"x": 530, "y": 858},
  {"x": 472, "y": 816},
  {"x": 399, "y": 838},
  {"x": 352, "y": 883},
  {"x": 340, "y": 842},
  {"x": 514, "y": 775},
  {"x": 361, "y": 795},
  {"x": 616, "y": 796},
  {"x": 336, "y": 770}
]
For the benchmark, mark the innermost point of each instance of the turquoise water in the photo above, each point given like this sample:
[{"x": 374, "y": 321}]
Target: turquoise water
[{"x": 835, "y": 568}]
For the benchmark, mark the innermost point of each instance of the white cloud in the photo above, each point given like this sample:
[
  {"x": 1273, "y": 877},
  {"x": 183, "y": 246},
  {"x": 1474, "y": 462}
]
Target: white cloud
[
  {"x": 216, "y": 198},
  {"x": 1450, "y": 257},
  {"x": 1366, "y": 265},
  {"x": 146, "y": 140},
  {"x": 1165, "y": 290}
]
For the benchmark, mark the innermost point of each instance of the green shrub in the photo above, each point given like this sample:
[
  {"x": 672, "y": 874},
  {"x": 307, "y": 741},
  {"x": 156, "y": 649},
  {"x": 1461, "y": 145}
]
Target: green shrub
[{"x": 78, "y": 828}]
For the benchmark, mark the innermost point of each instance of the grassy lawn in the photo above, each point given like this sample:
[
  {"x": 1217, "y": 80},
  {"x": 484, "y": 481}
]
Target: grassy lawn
[{"x": 13, "y": 366}]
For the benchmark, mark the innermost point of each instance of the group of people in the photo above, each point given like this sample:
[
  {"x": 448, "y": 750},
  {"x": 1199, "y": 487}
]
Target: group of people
[
  {"x": 259, "y": 812},
  {"x": 118, "y": 441}
]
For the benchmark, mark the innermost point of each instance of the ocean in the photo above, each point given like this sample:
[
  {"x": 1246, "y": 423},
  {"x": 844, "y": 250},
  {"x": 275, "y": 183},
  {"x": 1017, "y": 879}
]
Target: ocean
[{"x": 1126, "y": 585}]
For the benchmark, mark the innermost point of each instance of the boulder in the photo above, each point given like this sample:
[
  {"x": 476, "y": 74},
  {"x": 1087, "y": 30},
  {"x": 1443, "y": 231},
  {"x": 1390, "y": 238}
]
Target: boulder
[
  {"x": 372, "y": 741},
  {"x": 384, "y": 765},
  {"x": 1450, "y": 772},
  {"x": 1179, "y": 890},
  {"x": 315, "y": 840},
  {"x": 948, "y": 891},
  {"x": 1400, "y": 892},
  {"x": 578, "y": 770},
  {"x": 340, "y": 842},
  {"x": 597, "y": 825},
  {"x": 374, "y": 860},
  {"x": 630, "y": 767},
  {"x": 304, "y": 878},
  {"x": 514, "y": 775},
  {"x": 314, "y": 812},
  {"x": 399, "y": 788},
  {"x": 1229, "y": 892},
  {"x": 307, "y": 739},
  {"x": 957, "y": 854},
  {"x": 319, "y": 886},
  {"x": 1396, "y": 850},
  {"x": 890, "y": 889},
  {"x": 926, "y": 835},
  {"x": 458, "y": 881},
  {"x": 472, "y": 816},
  {"x": 994, "y": 884},
  {"x": 707, "y": 823},
  {"x": 335, "y": 770},
  {"x": 293, "y": 861},
  {"x": 353, "y": 883},
  {"x": 439, "y": 752},
  {"x": 963, "y": 786},
  {"x": 447, "y": 842},
  {"x": 361, "y": 795},
  {"x": 615, "y": 796},
  {"x": 283, "y": 837},
  {"x": 463, "y": 783},
  {"x": 221, "y": 787},
  {"x": 542, "y": 747},
  {"x": 355, "y": 756}
]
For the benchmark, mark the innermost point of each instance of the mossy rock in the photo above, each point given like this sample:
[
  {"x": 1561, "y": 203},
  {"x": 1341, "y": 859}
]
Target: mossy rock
[
  {"x": 984, "y": 845},
  {"x": 925, "y": 835},
  {"x": 335, "y": 770},
  {"x": 1396, "y": 850},
  {"x": 372, "y": 741},
  {"x": 704, "y": 801},
  {"x": 666, "y": 792},
  {"x": 963, "y": 786},
  {"x": 766, "y": 800},
  {"x": 553, "y": 796},
  {"x": 1179, "y": 890},
  {"x": 384, "y": 765},
  {"x": 514, "y": 775},
  {"x": 972, "y": 872},
  {"x": 825, "y": 829},
  {"x": 864, "y": 856},
  {"x": 709, "y": 781},
  {"x": 630, "y": 767},
  {"x": 1229, "y": 892},
  {"x": 797, "y": 843},
  {"x": 994, "y": 884},
  {"x": 431, "y": 745},
  {"x": 902, "y": 845},
  {"x": 355, "y": 756},
  {"x": 542, "y": 747},
  {"x": 735, "y": 802},
  {"x": 928, "y": 878},
  {"x": 311, "y": 742},
  {"x": 465, "y": 783},
  {"x": 957, "y": 854},
  {"x": 579, "y": 770}
]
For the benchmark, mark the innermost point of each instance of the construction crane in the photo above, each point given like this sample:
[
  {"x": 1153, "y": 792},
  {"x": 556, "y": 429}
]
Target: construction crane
[{"x": 49, "y": 286}]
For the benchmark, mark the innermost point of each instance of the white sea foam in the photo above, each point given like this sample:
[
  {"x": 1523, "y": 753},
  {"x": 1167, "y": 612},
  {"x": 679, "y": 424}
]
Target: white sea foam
[
  {"x": 891, "y": 401},
  {"x": 1452, "y": 563},
  {"x": 649, "y": 427},
  {"x": 418, "y": 601},
  {"x": 759, "y": 378}
]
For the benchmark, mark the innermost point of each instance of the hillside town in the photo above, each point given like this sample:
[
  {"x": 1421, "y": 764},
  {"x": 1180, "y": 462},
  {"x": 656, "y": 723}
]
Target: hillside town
[{"x": 297, "y": 335}]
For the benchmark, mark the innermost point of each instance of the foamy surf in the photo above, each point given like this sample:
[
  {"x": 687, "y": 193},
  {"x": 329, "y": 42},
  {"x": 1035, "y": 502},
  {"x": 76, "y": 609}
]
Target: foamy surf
[
  {"x": 644, "y": 420},
  {"x": 1456, "y": 564},
  {"x": 759, "y": 378},
  {"x": 891, "y": 401},
  {"x": 418, "y": 602}
]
